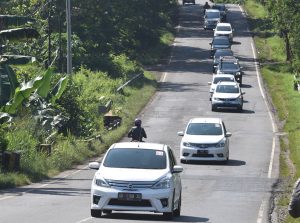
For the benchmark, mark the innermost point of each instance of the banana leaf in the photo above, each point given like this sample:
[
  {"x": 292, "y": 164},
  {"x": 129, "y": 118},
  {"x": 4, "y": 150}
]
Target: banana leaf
[
  {"x": 12, "y": 79},
  {"x": 44, "y": 88},
  {"x": 42, "y": 83},
  {"x": 13, "y": 20},
  {"x": 19, "y": 34},
  {"x": 59, "y": 88}
]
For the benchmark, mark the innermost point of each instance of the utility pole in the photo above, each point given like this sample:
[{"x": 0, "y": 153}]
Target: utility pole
[{"x": 69, "y": 40}]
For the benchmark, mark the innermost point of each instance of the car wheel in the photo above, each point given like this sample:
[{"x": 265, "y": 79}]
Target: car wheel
[
  {"x": 170, "y": 215},
  {"x": 213, "y": 108},
  {"x": 240, "y": 109},
  {"x": 107, "y": 211},
  {"x": 178, "y": 210},
  {"x": 96, "y": 213}
]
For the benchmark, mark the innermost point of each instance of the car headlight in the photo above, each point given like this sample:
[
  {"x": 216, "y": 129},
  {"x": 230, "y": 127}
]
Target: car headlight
[
  {"x": 221, "y": 144},
  {"x": 101, "y": 182},
  {"x": 164, "y": 183},
  {"x": 187, "y": 144}
]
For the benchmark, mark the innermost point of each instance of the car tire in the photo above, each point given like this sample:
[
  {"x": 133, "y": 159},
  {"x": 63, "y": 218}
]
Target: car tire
[
  {"x": 213, "y": 108},
  {"x": 96, "y": 213},
  {"x": 178, "y": 210},
  {"x": 107, "y": 211},
  {"x": 240, "y": 109}
]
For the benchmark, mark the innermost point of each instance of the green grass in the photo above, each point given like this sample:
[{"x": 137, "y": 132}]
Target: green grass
[{"x": 278, "y": 78}]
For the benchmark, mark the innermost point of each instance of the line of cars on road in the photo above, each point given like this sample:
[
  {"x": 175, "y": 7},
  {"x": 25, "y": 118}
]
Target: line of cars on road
[
  {"x": 135, "y": 176},
  {"x": 225, "y": 87}
]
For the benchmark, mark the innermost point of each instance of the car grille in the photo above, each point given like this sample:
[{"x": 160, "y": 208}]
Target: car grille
[
  {"x": 227, "y": 99},
  {"x": 202, "y": 146},
  {"x": 131, "y": 184},
  {"x": 203, "y": 155},
  {"x": 142, "y": 203}
]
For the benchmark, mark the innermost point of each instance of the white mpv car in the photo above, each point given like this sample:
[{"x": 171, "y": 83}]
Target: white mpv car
[
  {"x": 204, "y": 139},
  {"x": 224, "y": 29},
  {"x": 137, "y": 177}
]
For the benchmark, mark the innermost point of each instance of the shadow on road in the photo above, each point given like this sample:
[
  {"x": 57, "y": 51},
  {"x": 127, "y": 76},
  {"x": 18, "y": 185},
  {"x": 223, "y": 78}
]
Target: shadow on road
[{"x": 153, "y": 217}]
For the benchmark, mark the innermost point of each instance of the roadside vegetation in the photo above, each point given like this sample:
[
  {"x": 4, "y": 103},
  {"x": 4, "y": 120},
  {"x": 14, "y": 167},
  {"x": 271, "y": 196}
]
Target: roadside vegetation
[
  {"x": 112, "y": 42},
  {"x": 275, "y": 29}
]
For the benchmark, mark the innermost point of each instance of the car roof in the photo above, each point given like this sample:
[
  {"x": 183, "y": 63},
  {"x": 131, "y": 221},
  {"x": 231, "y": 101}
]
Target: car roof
[
  {"x": 229, "y": 58},
  {"x": 228, "y": 83},
  {"x": 223, "y": 75},
  {"x": 205, "y": 120},
  {"x": 221, "y": 37},
  {"x": 224, "y": 24},
  {"x": 139, "y": 145},
  {"x": 211, "y": 10}
]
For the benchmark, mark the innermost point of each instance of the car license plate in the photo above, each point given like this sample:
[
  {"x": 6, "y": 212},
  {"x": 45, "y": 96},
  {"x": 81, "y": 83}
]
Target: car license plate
[
  {"x": 130, "y": 196},
  {"x": 202, "y": 151}
]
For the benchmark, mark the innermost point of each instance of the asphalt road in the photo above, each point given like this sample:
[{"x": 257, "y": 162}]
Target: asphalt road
[{"x": 237, "y": 192}]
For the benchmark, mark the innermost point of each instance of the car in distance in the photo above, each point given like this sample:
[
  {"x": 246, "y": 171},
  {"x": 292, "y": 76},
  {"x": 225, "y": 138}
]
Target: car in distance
[
  {"x": 219, "y": 42},
  {"x": 218, "y": 54},
  {"x": 227, "y": 95},
  {"x": 219, "y": 78},
  {"x": 230, "y": 65},
  {"x": 204, "y": 139},
  {"x": 224, "y": 29},
  {"x": 137, "y": 176},
  {"x": 188, "y": 1},
  {"x": 211, "y": 18},
  {"x": 223, "y": 11}
]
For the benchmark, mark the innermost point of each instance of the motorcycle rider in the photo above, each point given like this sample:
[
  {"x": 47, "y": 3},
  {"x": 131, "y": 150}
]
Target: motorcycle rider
[
  {"x": 206, "y": 6},
  {"x": 137, "y": 132}
]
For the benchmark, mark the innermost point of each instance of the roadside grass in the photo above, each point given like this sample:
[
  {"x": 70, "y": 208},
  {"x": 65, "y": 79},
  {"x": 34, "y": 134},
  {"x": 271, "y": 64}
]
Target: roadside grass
[{"x": 278, "y": 79}]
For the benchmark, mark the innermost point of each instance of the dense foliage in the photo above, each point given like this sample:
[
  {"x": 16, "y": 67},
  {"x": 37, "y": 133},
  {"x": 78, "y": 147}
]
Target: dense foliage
[{"x": 101, "y": 30}]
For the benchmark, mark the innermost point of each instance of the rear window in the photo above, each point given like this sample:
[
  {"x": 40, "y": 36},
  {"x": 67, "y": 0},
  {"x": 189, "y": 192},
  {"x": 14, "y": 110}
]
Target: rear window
[
  {"x": 204, "y": 129},
  {"x": 218, "y": 79},
  {"x": 223, "y": 28},
  {"x": 136, "y": 158},
  {"x": 213, "y": 15}
]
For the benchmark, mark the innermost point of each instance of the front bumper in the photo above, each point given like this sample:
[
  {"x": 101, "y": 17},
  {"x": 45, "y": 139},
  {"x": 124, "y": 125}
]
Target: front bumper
[
  {"x": 227, "y": 103},
  {"x": 151, "y": 199},
  {"x": 209, "y": 154}
]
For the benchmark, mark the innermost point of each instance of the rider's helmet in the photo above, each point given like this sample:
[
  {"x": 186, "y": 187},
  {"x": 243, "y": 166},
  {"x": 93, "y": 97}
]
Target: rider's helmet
[{"x": 137, "y": 122}]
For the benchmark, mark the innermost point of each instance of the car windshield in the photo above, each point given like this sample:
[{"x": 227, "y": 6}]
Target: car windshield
[
  {"x": 135, "y": 158},
  {"x": 231, "y": 89},
  {"x": 222, "y": 53},
  {"x": 218, "y": 79},
  {"x": 230, "y": 66},
  {"x": 204, "y": 129},
  {"x": 219, "y": 7},
  {"x": 213, "y": 15},
  {"x": 221, "y": 41},
  {"x": 223, "y": 28}
]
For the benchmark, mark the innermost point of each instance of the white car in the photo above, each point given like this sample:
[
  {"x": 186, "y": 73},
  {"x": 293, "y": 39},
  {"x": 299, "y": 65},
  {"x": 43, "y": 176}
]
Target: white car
[
  {"x": 204, "y": 139},
  {"x": 137, "y": 177},
  {"x": 219, "y": 78},
  {"x": 227, "y": 95},
  {"x": 224, "y": 29}
]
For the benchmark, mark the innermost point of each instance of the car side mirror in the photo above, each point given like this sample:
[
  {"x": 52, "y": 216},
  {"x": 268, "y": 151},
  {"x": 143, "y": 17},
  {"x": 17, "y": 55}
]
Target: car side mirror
[
  {"x": 243, "y": 92},
  {"x": 94, "y": 165},
  {"x": 228, "y": 134},
  {"x": 180, "y": 133},
  {"x": 177, "y": 169},
  {"x": 210, "y": 43},
  {"x": 209, "y": 83}
]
